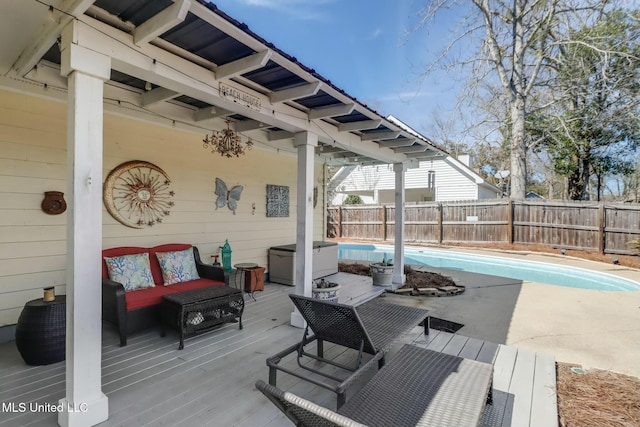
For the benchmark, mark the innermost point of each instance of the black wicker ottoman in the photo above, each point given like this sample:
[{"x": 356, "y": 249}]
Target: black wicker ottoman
[
  {"x": 201, "y": 310},
  {"x": 41, "y": 331}
]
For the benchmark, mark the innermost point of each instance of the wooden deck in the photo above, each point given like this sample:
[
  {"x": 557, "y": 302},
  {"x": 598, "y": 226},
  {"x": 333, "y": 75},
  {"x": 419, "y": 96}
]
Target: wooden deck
[{"x": 211, "y": 382}]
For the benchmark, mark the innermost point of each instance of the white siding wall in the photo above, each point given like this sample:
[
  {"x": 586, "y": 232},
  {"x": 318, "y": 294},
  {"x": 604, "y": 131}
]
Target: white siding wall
[
  {"x": 452, "y": 182},
  {"x": 487, "y": 193},
  {"x": 33, "y": 160}
]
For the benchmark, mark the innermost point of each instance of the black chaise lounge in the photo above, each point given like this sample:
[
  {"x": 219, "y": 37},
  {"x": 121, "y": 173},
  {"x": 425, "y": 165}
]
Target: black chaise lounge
[
  {"x": 369, "y": 328},
  {"x": 417, "y": 387}
]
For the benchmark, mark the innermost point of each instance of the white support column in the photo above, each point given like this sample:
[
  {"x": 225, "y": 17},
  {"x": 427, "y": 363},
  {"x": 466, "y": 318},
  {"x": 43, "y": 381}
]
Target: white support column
[
  {"x": 398, "y": 257},
  {"x": 84, "y": 404},
  {"x": 306, "y": 143}
]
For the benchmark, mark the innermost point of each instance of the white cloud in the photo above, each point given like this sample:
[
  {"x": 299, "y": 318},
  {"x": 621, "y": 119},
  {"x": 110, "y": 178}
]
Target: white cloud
[
  {"x": 405, "y": 96},
  {"x": 375, "y": 34},
  {"x": 301, "y": 9}
]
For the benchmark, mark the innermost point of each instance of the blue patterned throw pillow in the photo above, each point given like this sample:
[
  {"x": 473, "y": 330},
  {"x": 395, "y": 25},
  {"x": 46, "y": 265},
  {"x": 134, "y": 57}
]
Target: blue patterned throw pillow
[
  {"x": 178, "y": 266},
  {"x": 133, "y": 271}
]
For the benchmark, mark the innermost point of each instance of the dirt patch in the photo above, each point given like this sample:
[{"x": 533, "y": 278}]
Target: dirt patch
[
  {"x": 597, "y": 398},
  {"x": 426, "y": 279},
  {"x": 359, "y": 269},
  {"x": 416, "y": 281}
]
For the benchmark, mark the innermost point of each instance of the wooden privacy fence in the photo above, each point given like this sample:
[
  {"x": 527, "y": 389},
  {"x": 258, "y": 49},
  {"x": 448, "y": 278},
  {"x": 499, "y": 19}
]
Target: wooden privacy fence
[{"x": 605, "y": 228}]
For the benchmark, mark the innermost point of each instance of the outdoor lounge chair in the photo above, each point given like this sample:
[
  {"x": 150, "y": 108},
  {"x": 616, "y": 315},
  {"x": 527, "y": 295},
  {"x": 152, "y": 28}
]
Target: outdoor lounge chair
[
  {"x": 417, "y": 387},
  {"x": 369, "y": 328}
]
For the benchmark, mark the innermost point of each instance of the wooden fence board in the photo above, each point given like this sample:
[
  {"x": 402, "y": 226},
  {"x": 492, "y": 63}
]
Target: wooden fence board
[{"x": 605, "y": 228}]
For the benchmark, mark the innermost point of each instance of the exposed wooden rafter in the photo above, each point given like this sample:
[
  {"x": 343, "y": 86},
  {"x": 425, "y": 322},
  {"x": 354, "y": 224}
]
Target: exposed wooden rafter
[
  {"x": 328, "y": 150},
  {"x": 429, "y": 154},
  {"x": 246, "y": 125},
  {"x": 243, "y": 65},
  {"x": 210, "y": 113},
  {"x": 401, "y": 142},
  {"x": 49, "y": 34},
  {"x": 412, "y": 149},
  {"x": 335, "y": 110},
  {"x": 162, "y": 22},
  {"x": 382, "y": 135},
  {"x": 297, "y": 92},
  {"x": 156, "y": 95},
  {"x": 361, "y": 125},
  {"x": 278, "y": 135}
]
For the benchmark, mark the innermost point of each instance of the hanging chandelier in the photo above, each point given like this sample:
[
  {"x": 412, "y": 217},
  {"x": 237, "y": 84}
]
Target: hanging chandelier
[{"x": 226, "y": 142}]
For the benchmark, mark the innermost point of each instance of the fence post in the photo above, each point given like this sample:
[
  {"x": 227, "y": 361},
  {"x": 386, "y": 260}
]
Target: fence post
[
  {"x": 384, "y": 223},
  {"x": 439, "y": 226},
  {"x": 339, "y": 221},
  {"x": 510, "y": 222},
  {"x": 601, "y": 222}
]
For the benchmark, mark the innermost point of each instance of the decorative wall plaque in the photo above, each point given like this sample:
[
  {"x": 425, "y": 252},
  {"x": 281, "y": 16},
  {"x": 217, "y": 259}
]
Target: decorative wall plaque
[
  {"x": 136, "y": 194},
  {"x": 277, "y": 201},
  {"x": 227, "y": 197},
  {"x": 53, "y": 203}
]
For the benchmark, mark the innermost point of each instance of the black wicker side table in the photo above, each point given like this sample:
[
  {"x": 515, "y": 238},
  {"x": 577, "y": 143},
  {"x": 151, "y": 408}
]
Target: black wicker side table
[
  {"x": 41, "y": 331},
  {"x": 201, "y": 310}
]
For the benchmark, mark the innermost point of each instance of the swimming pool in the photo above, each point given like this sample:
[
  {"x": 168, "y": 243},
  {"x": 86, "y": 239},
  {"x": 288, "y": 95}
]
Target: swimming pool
[{"x": 533, "y": 271}]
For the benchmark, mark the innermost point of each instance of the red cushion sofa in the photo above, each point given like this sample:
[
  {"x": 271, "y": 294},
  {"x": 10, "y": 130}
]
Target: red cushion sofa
[{"x": 140, "y": 309}]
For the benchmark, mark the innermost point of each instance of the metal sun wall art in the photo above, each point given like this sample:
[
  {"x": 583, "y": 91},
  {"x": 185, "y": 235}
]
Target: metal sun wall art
[
  {"x": 137, "y": 194},
  {"x": 277, "y": 201},
  {"x": 227, "y": 197}
]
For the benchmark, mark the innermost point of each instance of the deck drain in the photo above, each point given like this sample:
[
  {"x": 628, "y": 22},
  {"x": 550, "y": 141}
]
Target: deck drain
[{"x": 444, "y": 325}]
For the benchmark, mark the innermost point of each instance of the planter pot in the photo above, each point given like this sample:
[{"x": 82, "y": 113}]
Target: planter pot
[
  {"x": 382, "y": 275},
  {"x": 326, "y": 294}
]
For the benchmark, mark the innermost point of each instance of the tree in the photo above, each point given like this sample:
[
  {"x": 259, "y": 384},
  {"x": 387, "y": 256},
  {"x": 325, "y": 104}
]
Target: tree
[
  {"x": 591, "y": 130},
  {"x": 352, "y": 199},
  {"x": 519, "y": 41}
]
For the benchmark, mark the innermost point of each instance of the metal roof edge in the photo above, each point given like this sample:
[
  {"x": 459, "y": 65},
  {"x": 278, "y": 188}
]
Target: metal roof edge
[{"x": 245, "y": 28}]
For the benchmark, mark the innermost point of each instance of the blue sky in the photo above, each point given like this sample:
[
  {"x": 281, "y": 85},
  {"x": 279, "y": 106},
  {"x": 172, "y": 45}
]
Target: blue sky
[{"x": 365, "y": 47}]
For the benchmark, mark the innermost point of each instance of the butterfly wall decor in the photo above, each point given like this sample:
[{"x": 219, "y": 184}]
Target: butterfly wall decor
[{"x": 227, "y": 197}]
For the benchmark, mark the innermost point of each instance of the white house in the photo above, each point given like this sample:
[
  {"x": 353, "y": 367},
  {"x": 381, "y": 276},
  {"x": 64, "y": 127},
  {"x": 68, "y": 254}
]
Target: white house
[
  {"x": 86, "y": 86},
  {"x": 440, "y": 178}
]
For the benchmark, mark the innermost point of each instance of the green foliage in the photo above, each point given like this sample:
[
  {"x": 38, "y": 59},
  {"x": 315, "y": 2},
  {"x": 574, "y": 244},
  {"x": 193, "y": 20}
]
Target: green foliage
[
  {"x": 353, "y": 199},
  {"x": 592, "y": 131}
]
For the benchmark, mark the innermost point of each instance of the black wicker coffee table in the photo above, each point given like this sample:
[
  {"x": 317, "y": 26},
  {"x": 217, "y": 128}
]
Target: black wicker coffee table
[{"x": 201, "y": 310}]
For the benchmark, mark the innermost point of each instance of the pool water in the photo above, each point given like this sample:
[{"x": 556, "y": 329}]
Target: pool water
[{"x": 533, "y": 271}]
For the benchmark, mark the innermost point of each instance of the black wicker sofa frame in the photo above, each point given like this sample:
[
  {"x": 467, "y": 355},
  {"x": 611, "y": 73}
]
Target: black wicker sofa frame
[{"x": 114, "y": 302}]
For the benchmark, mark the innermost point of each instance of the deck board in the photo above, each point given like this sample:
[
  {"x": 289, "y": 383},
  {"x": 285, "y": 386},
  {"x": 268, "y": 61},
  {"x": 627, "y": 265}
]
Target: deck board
[
  {"x": 471, "y": 349},
  {"x": 521, "y": 387},
  {"x": 438, "y": 340},
  {"x": 211, "y": 382},
  {"x": 544, "y": 408},
  {"x": 499, "y": 414},
  {"x": 455, "y": 345}
]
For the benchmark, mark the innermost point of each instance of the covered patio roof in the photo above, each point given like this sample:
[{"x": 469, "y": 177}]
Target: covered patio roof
[
  {"x": 181, "y": 63},
  {"x": 189, "y": 63}
]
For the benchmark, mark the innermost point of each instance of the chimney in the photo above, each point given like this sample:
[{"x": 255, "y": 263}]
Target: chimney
[{"x": 466, "y": 159}]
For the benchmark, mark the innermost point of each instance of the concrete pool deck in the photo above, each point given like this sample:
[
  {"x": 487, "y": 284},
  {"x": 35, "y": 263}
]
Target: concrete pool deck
[{"x": 594, "y": 328}]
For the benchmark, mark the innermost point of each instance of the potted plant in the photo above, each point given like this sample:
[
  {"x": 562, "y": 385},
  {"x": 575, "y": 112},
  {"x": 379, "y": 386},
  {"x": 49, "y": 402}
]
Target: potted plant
[
  {"x": 382, "y": 272},
  {"x": 326, "y": 291}
]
